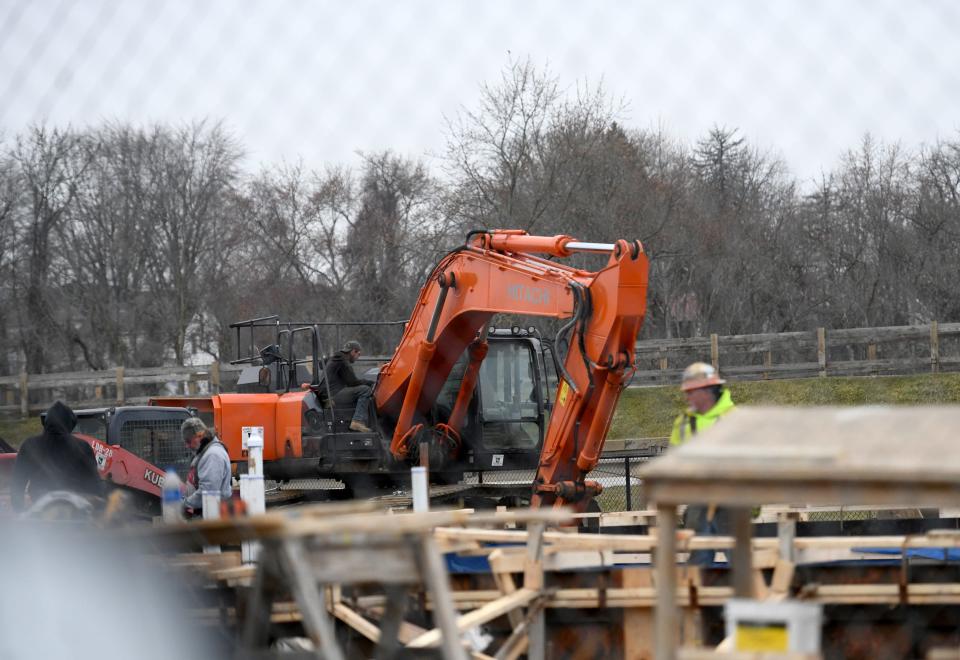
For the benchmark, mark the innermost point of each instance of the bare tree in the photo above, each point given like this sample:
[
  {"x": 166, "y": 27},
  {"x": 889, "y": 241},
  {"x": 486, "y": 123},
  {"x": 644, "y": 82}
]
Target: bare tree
[
  {"x": 9, "y": 202},
  {"x": 936, "y": 221},
  {"x": 191, "y": 176},
  {"x": 297, "y": 222},
  {"x": 519, "y": 160},
  {"x": 394, "y": 238},
  {"x": 51, "y": 163},
  {"x": 106, "y": 243}
]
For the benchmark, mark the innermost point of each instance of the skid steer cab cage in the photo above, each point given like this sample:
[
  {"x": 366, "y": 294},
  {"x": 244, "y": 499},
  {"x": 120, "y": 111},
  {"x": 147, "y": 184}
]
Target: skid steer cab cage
[{"x": 272, "y": 345}]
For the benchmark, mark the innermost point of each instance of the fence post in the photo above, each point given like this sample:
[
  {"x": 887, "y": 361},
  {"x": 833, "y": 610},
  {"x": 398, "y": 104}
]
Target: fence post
[
  {"x": 715, "y": 350},
  {"x": 663, "y": 367},
  {"x": 822, "y": 351},
  {"x": 24, "y": 394},
  {"x": 121, "y": 396},
  {"x": 626, "y": 472},
  {"x": 767, "y": 362},
  {"x": 872, "y": 357},
  {"x": 934, "y": 347},
  {"x": 215, "y": 378},
  {"x": 191, "y": 386}
]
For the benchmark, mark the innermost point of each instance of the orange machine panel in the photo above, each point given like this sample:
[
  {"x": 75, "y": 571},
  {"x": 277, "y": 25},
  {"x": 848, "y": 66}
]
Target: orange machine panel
[
  {"x": 289, "y": 426},
  {"x": 231, "y": 412}
]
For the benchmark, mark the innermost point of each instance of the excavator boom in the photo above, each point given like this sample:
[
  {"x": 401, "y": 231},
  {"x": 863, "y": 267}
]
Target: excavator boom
[{"x": 499, "y": 272}]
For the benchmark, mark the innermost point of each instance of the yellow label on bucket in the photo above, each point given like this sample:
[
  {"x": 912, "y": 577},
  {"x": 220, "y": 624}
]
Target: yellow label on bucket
[
  {"x": 562, "y": 397},
  {"x": 761, "y": 637}
]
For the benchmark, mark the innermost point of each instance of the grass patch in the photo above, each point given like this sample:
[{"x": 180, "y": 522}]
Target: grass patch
[
  {"x": 15, "y": 430},
  {"x": 648, "y": 412}
]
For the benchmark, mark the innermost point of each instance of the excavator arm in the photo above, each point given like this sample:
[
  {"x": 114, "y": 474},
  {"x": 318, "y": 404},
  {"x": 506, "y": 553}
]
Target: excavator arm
[{"x": 499, "y": 272}]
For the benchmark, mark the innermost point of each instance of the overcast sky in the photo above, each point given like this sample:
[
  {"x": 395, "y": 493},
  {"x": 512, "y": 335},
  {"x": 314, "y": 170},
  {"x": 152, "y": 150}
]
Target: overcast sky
[{"x": 320, "y": 80}]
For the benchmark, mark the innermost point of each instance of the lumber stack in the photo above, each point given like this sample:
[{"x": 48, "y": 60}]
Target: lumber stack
[{"x": 382, "y": 575}]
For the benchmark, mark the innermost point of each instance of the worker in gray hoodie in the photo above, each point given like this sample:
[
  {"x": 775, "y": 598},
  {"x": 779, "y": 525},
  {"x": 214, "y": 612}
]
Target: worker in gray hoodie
[{"x": 209, "y": 469}]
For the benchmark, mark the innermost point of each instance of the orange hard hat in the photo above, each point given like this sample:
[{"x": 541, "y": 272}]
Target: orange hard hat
[{"x": 700, "y": 374}]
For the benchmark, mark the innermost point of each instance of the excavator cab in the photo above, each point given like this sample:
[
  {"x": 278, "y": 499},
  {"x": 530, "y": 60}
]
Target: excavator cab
[{"x": 510, "y": 410}]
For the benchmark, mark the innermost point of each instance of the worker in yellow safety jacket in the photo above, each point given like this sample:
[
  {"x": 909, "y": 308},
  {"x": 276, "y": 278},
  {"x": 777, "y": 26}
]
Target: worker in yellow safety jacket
[{"x": 707, "y": 401}]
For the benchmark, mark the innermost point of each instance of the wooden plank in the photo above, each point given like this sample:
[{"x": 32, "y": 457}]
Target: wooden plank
[
  {"x": 646, "y": 597},
  {"x": 742, "y": 552},
  {"x": 787, "y": 534},
  {"x": 822, "y": 351},
  {"x": 519, "y": 639},
  {"x": 215, "y": 378},
  {"x": 407, "y": 632},
  {"x": 434, "y": 573},
  {"x": 715, "y": 351},
  {"x": 365, "y": 563},
  {"x": 479, "y": 616},
  {"x": 604, "y": 542},
  {"x": 120, "y": 386},
  {"x": 934, "y": 347},
  {"x": 504, "y": 581},
  {"x": 692, "y": 621},
  {"x": 666, "y": 583},
  {"x": 711, "y": 654},
  {"x": 356, "y": 621},
  {"x": 303, "y": 584},
  {"x": 533, "y": 566},
  {"x": 638, "y": 624},
  {"x": 533, "y": 580},
  {"x": 782, "y": 579},
  {"x": 886, "y": 334},
  {"x": 24, "y": 394}
]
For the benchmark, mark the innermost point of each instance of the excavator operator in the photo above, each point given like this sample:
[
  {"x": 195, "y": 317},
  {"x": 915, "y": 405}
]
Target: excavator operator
[{"x": 348, "y": 390}]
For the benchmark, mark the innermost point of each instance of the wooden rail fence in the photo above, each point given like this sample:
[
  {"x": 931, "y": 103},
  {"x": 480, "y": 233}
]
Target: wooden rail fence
[
  {"x": 914, "y": 349},
  {"x": 109, "y": 387},
  {"x": 816, "y": 353}
]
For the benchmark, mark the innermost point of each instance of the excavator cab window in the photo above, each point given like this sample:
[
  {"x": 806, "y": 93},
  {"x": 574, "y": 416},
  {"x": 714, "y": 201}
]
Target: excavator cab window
[{"x": 510, "y": 407}]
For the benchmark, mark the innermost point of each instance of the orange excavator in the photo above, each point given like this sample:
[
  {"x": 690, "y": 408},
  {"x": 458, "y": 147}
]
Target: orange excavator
[{"x": 477, "y": 399}]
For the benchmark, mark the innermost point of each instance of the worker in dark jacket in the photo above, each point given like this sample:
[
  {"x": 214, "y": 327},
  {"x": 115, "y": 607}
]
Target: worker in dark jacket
[
  {"x": 348, "y": 390},
  {"x": 54, "y": 460}
]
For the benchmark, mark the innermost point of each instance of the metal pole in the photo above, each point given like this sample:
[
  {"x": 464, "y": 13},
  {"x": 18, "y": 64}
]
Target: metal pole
[
  {"x": 626, "y": 472},
  {"x": 598, "y": 248}
]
